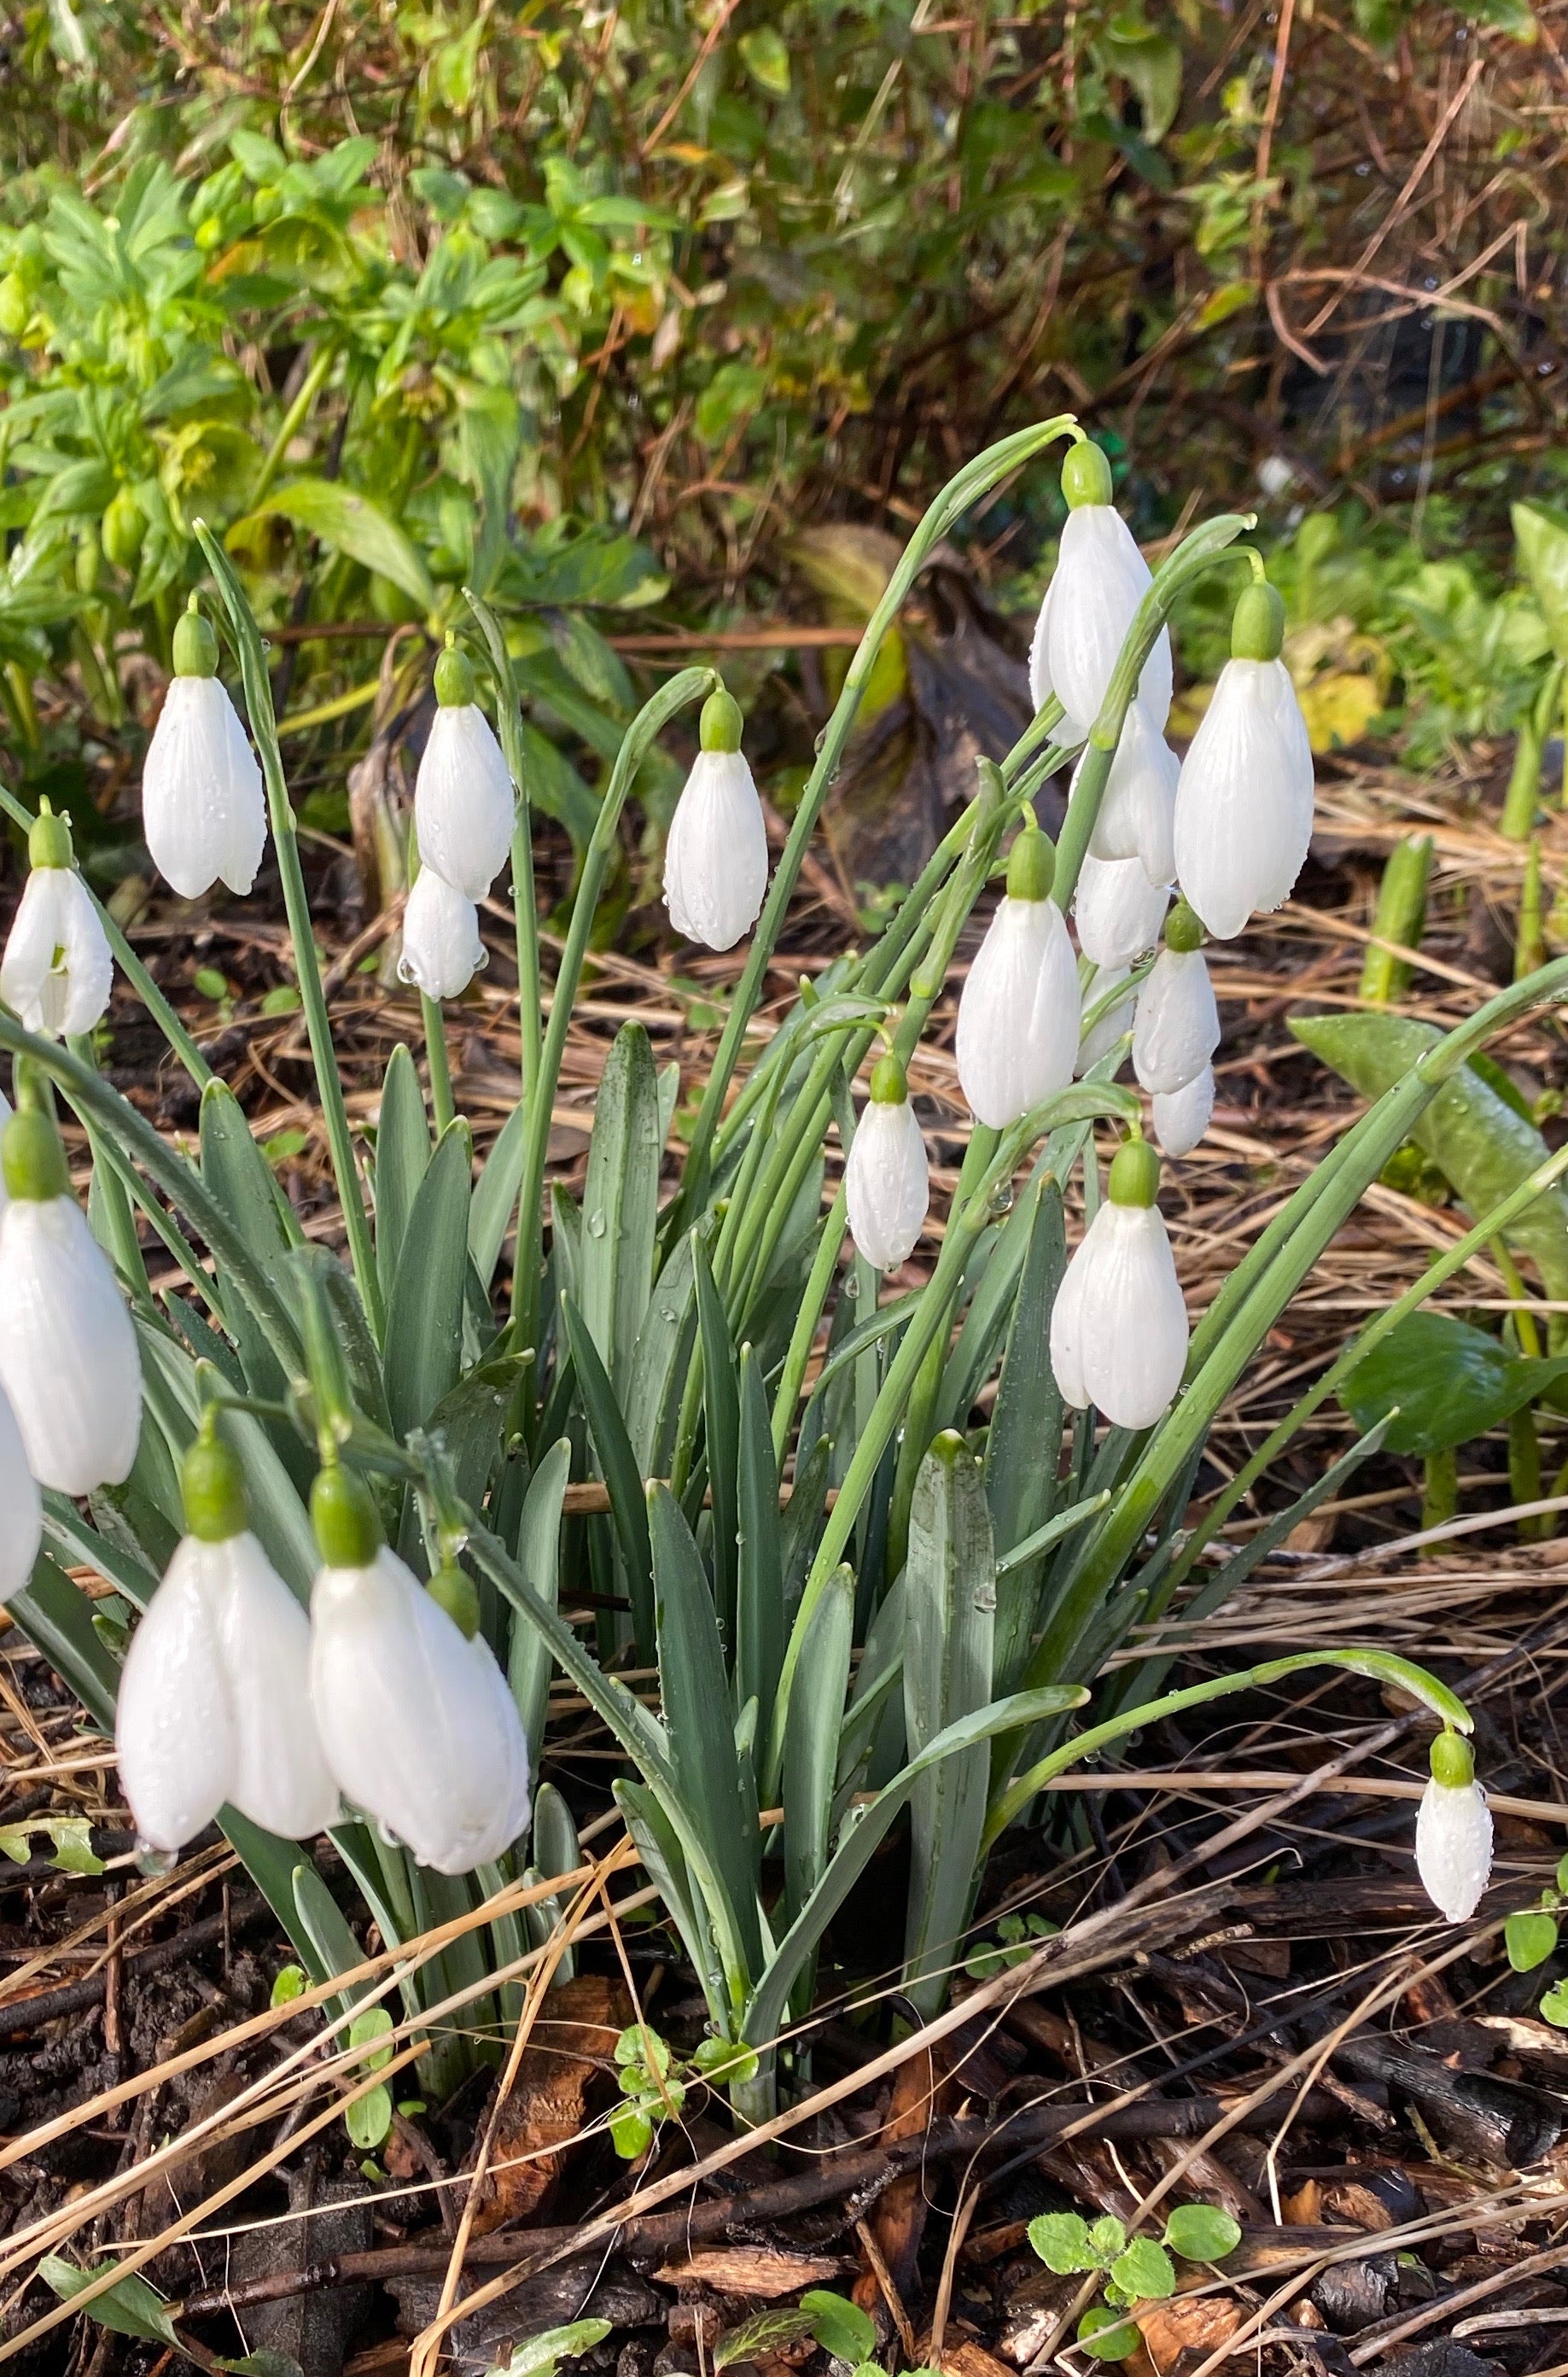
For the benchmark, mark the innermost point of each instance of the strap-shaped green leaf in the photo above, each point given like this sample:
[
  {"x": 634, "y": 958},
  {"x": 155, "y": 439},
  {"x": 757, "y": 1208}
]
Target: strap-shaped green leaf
[
  {"x": 424, "y": 1313},
  {"x": 628, "y": 1509},
  {"x": 620, "y": 1201},
  {"x": 539, "y": 1557},
  {"x": 496, "y": 1197},
  {"x": 403, "y": 1158},
  {"x": 1020, "y": 1484},
  {"x": 720, "y": 1404},
  {"x": 652, "y": 1399},
  {"x": 759, "y": 1596},
  {"x": 659, "y": 1850},
  {"x": 811, "y": 1740}
]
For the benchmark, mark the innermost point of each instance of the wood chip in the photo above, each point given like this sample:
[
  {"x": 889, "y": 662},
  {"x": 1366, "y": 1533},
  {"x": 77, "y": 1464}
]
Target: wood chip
[
  {"x": 1185, "y": 2323},
  {"x": 751, "y": 2269}
]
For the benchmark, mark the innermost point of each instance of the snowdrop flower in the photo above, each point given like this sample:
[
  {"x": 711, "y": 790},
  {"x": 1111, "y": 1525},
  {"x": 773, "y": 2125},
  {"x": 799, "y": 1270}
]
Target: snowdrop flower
[
  {"x": 58, "y": 972},
  {"x": 1118, "y": 911},
  {"x": 1244, "y": 799},
  {"x": 1099, "y": 581},
  {"x": 464, "y": 803},
  {"x": 715, "y": 857},
  {"x": 214, "y": 1704},
  {"x": 1119, "y": 1326},
  {"x": 1182, "y": 1116},
  {"x": 886, "y": 1177},
  {"x": 1138, "y": 806},
  {"x": 1017, "y": 1035},
  {"x": 68, "y": 1357},
  {"x": 204, "y": 815},
  {"x": 6, "y": 1110},
  {"x": 1454, "y": 1830},
  {"x": 21, "y": 1511},
  {"x": 441, "y": 950},
  {"x": 416, "y": 1720},
  {"x": 1177, "y": 1029},
  {"x": 1101, "y": 1037}
]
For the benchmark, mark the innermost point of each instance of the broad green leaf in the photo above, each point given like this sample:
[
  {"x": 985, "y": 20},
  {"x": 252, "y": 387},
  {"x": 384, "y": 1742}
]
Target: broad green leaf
[
  {"x": 369, "y": 2118},
  {"x": 1062, "y": 2240},
  {"x": 1554, "y": 2005},
  {"x": 1145, "y": 2272},
  {"x": 1107, "y": 2238},
  {"x": 1530, "y": 1937},
  {"x": 130, "y": 2307},
  {"x": 291, "y": 1982},
  {"x": 841, "y": 2327},
  {"x": 764, "y": 2335},
  {"x": 424, "y": 1313},
  {"x": 1444, "y": 1380},
  {"x": 349, "y": 523},
  {"x": 402, "y": 1159},
  {"x": 628, "y": 1508},
  {"x": 1105, "y": 2336},
  {"x": 811, "y": 1741},
  {"x": 950, "y": 1614},
  {"x": 372, "y": 2024},
  {"x": 1020, "y": 1486},
  {"x": 694, "y": 1694},
  {"x": 1202, "y": 2232},
  {"x": 539, "y": 1557},
  {"x": 620, "y": 1202},
  {"x": 1540, "y": 531},
  {"x": 734, "y": 392},
  {"x": 767, "y": 60}
]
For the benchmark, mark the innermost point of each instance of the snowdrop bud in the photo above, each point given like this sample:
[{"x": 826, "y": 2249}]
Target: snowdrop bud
[
  {"x": 715, "y": 857},
  {"x": 21, "y": 1511},
  {"x": 417, "y": 1722},
  {"x": 1099, "y": 581},
  {"x": 68, "y": 1357},
  {"x": 1454, "y": 1830},
  {"x": 58, "y": 972},
  {"x": 463, "y": 799},
  {"x": 1244, "y": 797},
  {"x": 1119, "y": 1326},
  {"x": 1138, "y": 806},
  {"x": 214, "y": 1704},
  {"x": 1100, "y": 1040},
  {"x": 1119, "y": 911},
  {"x": 1182, "y": 1116},
  {"x": 1017, "y": 1035},
  {"x": 886, "y": 1177},
  {"x": 204, "y": 813},
  {"x": 1177, "y": 1030},
  {"x": 441, "y": 950}
]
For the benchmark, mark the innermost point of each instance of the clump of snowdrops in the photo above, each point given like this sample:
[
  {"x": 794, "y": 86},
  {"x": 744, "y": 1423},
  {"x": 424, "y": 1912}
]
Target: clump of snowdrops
[{"x": 877, "y": 1541}]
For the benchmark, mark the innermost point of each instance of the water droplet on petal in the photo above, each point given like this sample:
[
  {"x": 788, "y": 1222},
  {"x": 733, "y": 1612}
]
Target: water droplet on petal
[{"x": 153, "y": 1861}]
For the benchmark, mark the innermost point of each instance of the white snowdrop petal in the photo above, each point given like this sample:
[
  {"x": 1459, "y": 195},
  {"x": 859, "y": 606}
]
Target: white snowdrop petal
[
  {"x": 1177, "y": 1028},
  {"x": 716, "y": 857},
  {"x": 1122, "y": 1336},
  {"x": 58, "y": 972},
  {"x": 6, "y": 1110},
  {"x": 21, "y": 1513},
  {"x": 1118, "y": 911},
  {"x": 1182, "y": 1116},
  {"x": 68, "y": 1357},
  {"x": 175, "y": 1723},
  {"x": 280, "y": 1778},
  {"x": 1244, "y": 798},
  {"x": 1138, "y": 806},
  {"x": 416, "y": 1723},
  {"x": 1454, "y": 1847},
  {"x": 1101, "y": 579},
  {"x": 887, "y": 1184},
  {"x": 1018, "y": 1033},
  {"x": 204, "y": 813},
  {"x": 463, "y": 802},
  {"x": 1117, "y": 1019},
  {"x": 441, "y": 949}
]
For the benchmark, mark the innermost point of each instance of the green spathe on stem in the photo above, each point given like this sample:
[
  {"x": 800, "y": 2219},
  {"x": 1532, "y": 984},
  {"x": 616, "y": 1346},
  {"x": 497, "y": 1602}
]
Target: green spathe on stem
[{"x": 343, "y": 1513}]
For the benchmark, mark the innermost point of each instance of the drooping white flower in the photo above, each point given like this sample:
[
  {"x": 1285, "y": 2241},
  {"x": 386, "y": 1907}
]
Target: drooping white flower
[
  {"x": 886, "y": 1176},
  {"x": 464, "y": 803},
  {"x": 68, "y": 1357},
  {"x": 417, "y": 1722},
  {"x": 1454, "y": 1830},
  {"x": 1244, "y": 798},
  {"x": 1019, "y": 1014},
  {"x": 1138, "y": 806},
  {"x": 204, "y": 815},
  {"x": 441, "y": 949},
  {"x": 1118, "y": 911},
  {"x": 21, "y": 1511},
  {"x": 6, "y": 1110},
  {"x": 58, "y": 972},
  {"x": 214, "y": 1702},
  {"x": 1099, "y": 581},
  {"x": 1119, "y": 1326},
  {"x": 1101, "y": 1037},
  {"x": 1182, "y": 1116},
  {"x": 1177, "y": 1028},
  {"x": 716, "y": 857}
]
